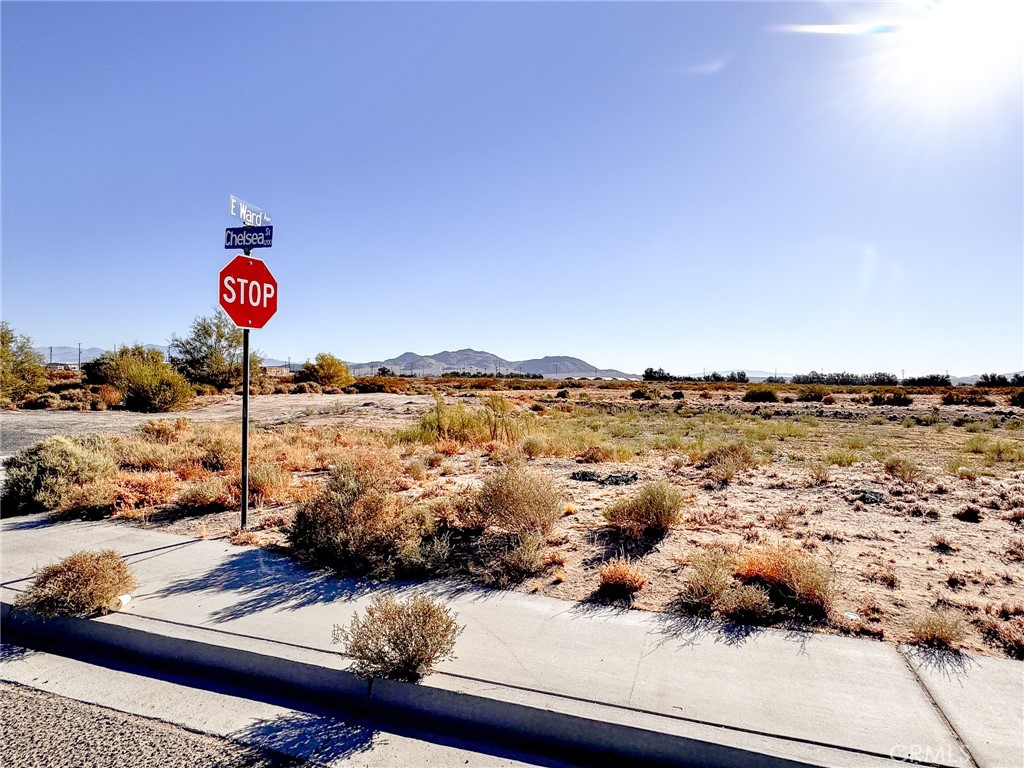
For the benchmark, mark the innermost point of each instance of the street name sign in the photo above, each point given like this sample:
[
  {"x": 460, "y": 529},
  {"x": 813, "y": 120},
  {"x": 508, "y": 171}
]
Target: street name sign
[
  {"x": 248, "y": 292},
  {"x": 244, "y": 238},
  {"x": 250, "y": 214}
]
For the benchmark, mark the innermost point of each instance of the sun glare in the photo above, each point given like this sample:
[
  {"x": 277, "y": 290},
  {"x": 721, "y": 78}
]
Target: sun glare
[{"x": 950, "y": 54}]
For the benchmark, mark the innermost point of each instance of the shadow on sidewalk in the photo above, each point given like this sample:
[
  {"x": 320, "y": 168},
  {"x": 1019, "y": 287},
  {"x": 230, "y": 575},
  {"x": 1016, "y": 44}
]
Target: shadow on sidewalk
[
  {"x": 266, "y": 581},
  {"x": 309, "y": 737}
]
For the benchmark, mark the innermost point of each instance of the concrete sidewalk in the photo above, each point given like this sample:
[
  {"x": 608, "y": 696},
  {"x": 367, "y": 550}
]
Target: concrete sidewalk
[{"x": 650, "y": 686}]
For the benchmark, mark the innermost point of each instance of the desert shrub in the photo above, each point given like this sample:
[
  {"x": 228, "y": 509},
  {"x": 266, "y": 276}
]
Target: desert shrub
[
  {"x": 813, "y": 393},
  {"x": 1016, "y": 399},
  {"x": 268, "y": 482},
  {"x": 353, "y": 526},
  {"x": 134, "y": 490},
  {"x": 79, "y": 585},
  {"x": 307, "y": 388},
  {"x": 746, "y": 604},
  {"x": 327, "y": 371},
  {"x": 726, "y": 461},
  {"x": 520, "y": 501},
  {"x": 52, "y": 474},
  {"x": 792, "y": 577},
  {"x": 708, "y": 579},
  {"x": 42, "y": 401},
  {"x": 619, "y": 577},
  {"x": 643, "y": 393},
  {"x": 533, "y": 446},
  {"x": 902, "y": 468},
  {"x": 897, "y": 397},
  {"x": 966, "y": 396},
  {"x": 937, "y": 628},
  {"x": 654, "y": 508},
  {"x": 1008, "y": 634},
  {"x": 149, "y": 384},
  {"x": 209, "y": 493},
  {"x": 820, "y": 473},
  {"x": 760, "y": 394},
  {"x": 109, "y": 395},
  {"x": 842, "y": 458},
  {"x": 506, "y": 559},
  {"x": 595, "y": 454},
  {"x": 828, "y": 400},
  {"x": 166, "y": 430},
  {"x": 399, "y": 640},
  {"x": 678, "y": 394}
]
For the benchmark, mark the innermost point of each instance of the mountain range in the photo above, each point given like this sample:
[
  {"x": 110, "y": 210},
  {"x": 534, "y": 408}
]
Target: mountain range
[{"x": 468, "y": 360}]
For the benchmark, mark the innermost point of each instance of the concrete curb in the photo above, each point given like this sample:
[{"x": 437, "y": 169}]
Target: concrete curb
[{"x": 474, "y": 707}]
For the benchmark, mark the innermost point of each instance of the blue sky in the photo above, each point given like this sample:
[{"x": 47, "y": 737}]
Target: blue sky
[{"x": 686, "y": 185}]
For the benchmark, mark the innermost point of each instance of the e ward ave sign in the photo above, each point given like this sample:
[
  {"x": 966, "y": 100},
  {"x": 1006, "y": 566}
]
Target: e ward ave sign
[
  {"x": 249, "y": 214},
  {"x": 248, "y": 292}
]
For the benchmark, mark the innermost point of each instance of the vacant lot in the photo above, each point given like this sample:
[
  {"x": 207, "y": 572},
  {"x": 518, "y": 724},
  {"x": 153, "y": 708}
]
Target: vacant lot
[{"x": 897, "y": 514}]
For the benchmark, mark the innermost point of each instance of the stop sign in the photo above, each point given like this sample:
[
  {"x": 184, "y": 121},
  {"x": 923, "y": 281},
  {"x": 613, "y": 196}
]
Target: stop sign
[{"x": 248, "y": 292}]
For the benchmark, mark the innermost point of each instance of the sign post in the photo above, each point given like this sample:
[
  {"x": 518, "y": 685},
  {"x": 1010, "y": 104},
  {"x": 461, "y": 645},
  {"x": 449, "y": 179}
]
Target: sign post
[{"x": 248, "y": 293}]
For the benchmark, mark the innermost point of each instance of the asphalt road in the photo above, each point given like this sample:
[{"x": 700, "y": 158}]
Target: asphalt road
[
  {"x": 62, "y": 712},
  {"x": 45, "y": 730}
]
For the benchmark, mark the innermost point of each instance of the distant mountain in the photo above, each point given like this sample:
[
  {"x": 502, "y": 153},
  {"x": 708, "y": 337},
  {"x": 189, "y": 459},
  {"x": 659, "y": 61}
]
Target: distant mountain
[
  {"x": 70, "y": 354},
  {"x": 475, "y": 361}
]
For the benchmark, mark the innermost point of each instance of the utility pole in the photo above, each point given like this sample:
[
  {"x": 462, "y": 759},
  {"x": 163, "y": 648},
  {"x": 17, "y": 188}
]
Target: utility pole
[
  {"x": 79, "y": 357},
  {"x": 51, "y": 355}
]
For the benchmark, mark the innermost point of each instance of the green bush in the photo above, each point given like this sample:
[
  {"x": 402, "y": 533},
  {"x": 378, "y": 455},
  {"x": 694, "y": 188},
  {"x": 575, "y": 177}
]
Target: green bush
[
  {"x": 897, "y": 397},
  {"x": 79, "y": 585},
  {"x": 653, "y": 509},
  {"x": 327, "y": 371},
  {"x": 643, "y": 393},
  {"x": 399, "y": 640},
  {"x": 212, "y": 353},
  {"x": 760, "y": 394},
  {"x": 354, "y": 527},
  {"x": 1017, "y": 399},
  {"x": 51, "y": 475},
  {"x": 21, "y": 368},
  {"x": 149, "y": 384}
]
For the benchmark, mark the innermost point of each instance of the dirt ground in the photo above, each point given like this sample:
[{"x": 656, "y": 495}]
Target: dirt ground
[{"x": 950, "y": 534}]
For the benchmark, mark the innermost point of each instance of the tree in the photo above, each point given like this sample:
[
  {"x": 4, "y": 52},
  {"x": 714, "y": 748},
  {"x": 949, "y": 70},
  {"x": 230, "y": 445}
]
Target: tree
[
  {"x": 327, "y": 371},
  {"x": 21, "y": 368},
  {"x": 212, "y": 353},
  {"x": 385, "y": 371}
]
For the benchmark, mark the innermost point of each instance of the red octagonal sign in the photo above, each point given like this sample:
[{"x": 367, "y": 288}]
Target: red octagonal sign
[{"x": 248, "y": 292}]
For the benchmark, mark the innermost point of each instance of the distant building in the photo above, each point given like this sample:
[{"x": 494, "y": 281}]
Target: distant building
[
  {"x": 62, "y": 366},
  {"x": 275, "y": 371}
]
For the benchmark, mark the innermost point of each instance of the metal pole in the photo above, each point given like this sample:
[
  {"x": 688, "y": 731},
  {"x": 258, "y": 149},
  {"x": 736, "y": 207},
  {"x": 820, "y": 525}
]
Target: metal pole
[{"x": 245, "y": 426}]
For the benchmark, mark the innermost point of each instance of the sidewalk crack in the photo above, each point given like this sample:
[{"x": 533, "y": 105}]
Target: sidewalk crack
[{"x": 936, "y": 707}]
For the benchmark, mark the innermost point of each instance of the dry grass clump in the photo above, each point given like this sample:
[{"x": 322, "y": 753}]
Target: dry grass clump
[
  {"x": 268, "y": 483},
  {"x": 939, "y": 628},
  {"x": 519, "y": 501},
  {"x": 653, "y": 509},
  {"x": 746, "y": 604},
  {"x": 902, "y": 468},
  {"x": 1009, "y": 635},
  {"x": 793, "y": 578},
  {"x": 52, "y": 474},
  {"x": 820, "y": 473},
  {"x": 136, "y": 490},
  {"x": 724, "y": 462},
  {"x": 709, "y": 578},
  {"x": 506, "y": 559},
  {"x": 400, "y": 640},
  {"x": 213, "y": 492},
  {"x": 79, "y": 585},
  {"x": 842, "y": 458},
  {"x": 620, "y": 578}
]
